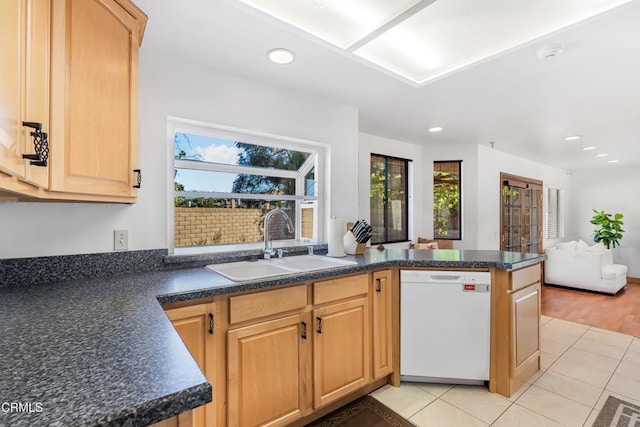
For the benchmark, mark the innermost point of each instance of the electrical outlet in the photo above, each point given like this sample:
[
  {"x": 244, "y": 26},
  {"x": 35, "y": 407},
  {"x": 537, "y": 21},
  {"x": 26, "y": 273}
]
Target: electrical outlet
[{"x": 120, "y": 240}]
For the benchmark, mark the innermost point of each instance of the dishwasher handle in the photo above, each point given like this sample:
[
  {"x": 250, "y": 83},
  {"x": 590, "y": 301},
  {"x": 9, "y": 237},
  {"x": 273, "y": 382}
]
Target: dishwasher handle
[
  {"x": 435, "y": 278},
  {"x": 442, "y": 276}
]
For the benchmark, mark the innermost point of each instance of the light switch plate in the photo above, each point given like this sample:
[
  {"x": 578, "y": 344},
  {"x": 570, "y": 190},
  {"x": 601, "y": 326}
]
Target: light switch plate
[{"x": 120, "y": 240}]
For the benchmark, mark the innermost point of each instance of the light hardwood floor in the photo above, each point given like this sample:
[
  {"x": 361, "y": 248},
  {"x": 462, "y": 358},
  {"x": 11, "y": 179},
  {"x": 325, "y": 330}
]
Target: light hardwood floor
[{"x": 612, "y": 312}]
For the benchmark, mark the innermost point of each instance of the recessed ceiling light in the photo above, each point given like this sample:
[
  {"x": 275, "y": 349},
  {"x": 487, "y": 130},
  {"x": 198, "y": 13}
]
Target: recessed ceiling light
[
  {"x": 572, "y": 137},
  {"x": 281, "y": 56},
  {"x": 436, "y": 129},
  {"x": 613, "y": 161},
  {"x": 589, "y": 148},
  {"x": 602, "y": 155}
]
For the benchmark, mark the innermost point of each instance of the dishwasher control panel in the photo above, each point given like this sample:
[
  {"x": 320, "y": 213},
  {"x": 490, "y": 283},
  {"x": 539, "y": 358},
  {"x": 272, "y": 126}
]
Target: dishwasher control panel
[{"x": 476, "y": 287}]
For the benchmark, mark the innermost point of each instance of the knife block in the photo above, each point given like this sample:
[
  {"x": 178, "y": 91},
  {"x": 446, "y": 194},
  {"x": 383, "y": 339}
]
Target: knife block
[{"x": 351, "y": 246}]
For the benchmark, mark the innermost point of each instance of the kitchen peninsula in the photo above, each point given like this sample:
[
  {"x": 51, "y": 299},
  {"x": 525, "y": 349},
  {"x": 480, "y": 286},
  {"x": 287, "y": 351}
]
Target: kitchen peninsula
[{"x": 103, "y": 351}]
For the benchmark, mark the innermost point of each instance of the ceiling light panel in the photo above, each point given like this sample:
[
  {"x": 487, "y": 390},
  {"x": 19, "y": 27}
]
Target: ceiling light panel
[
  {"x": 339, "y": 22},
  {"x": 449, "y": 35}
]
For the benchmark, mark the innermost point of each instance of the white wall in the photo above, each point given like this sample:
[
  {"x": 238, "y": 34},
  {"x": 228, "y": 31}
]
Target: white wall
[
  {"x": 378, "y": 145},
  {"x": 468, "y": 155},
  {"x": 490, "y": 163},
  {"x": 614, "y": 189},
  {"x": 174, "y": 87}
]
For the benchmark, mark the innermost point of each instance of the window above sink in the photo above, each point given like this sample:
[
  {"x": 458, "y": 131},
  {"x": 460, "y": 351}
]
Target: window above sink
[{"x": 225, "y": 180}]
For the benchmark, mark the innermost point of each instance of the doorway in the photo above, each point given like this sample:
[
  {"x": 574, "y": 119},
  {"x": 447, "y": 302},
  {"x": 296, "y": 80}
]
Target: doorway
[{"x": 521, "y": 214}]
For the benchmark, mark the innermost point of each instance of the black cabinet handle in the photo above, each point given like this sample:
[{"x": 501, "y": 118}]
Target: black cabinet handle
[
  {"x": 40, "y": 144},
  {"x": 378, "y": 285},
  {"x": 138, "y": 178},
  {"x": 211, "y": 323},
  {"x": 319, "y": 330},
  {"x": 304, "y": 330}
]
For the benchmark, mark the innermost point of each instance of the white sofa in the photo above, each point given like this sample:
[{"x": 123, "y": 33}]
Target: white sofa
[{"x": 592, "y": 270}]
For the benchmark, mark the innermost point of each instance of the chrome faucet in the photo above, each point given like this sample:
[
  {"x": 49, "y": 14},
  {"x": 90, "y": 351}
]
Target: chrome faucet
[{"x": 268, "y": 250}]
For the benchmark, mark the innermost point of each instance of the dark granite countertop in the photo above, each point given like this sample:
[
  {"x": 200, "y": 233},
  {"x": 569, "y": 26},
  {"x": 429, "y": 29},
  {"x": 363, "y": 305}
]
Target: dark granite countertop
[{"x": 95, "y": 352}]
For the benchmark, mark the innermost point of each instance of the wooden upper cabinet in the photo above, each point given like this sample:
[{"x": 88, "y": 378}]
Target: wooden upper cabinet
[
  {"x": 36, "y": 85},
  {"x": 24, "y": 88},
  {"x": 94, "y": 94},
  {"x": 72, "y": 67},
  {"x": 11, "y": 65}
]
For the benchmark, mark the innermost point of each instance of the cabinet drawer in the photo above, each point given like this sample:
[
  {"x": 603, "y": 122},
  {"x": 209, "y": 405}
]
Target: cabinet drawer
[
  {"x": 525, "y": 277},
  {"x": 261, "y": 304},
  {"x": 336, "y": 289}
]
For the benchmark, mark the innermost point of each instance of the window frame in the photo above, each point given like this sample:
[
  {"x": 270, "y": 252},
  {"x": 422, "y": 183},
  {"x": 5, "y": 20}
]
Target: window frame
[
  {"x": 317, "y": 160},
  {"x": 407, "y": 164},
  {"x": 460, "y": 208}
]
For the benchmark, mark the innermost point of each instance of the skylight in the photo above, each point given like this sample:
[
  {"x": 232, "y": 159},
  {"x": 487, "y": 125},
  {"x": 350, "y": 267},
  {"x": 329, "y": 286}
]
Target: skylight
[
  {"x": 421, "y": 40},
  {"x": 339, "y": 22}
]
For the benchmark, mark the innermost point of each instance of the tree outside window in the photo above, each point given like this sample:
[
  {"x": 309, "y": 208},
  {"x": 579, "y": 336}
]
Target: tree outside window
[{"x": 447, "y": 212}]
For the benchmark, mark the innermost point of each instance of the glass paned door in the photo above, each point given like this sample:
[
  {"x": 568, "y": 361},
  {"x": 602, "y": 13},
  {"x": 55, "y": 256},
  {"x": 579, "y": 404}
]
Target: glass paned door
[
  {"x": 521, "y": 215},
  {"x": 512, "y": 200},
  {"x": 533, "y": 225}
]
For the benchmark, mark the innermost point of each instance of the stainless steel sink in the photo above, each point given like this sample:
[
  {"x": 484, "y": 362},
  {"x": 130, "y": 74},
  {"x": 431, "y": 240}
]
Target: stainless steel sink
[{"x": 252, "y": 270}]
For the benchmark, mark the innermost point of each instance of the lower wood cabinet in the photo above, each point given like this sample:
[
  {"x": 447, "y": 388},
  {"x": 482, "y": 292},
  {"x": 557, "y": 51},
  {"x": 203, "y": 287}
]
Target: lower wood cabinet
[
  {"x": 515, "y": 328},
  {"x": 341, "y": 350},
  {"x": 278, "y": 356},
  {"x": 525, "y": 318},
  {"x": 195, "y": 327},
  {"x": 267, "y": 371},
  {"x": 381, "y": 321}
]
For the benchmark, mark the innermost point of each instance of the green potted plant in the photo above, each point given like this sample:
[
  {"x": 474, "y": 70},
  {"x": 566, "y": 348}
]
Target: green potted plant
[{"x": 609, "y": 230}]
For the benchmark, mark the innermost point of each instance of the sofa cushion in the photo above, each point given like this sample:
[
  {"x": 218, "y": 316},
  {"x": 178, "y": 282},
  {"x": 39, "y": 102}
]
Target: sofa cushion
[
  {"x": 582, "y": 246},
  {"x": 597, "y": 248},
  {"x": 567, "y": 246},
  {"x": 442, "y": 243},
  {"x": 613, "y": 271},
  {"x": 430, "y": 245}
]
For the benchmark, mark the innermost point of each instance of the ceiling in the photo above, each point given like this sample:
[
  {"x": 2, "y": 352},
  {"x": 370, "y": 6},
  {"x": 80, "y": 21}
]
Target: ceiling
[{"x": 523, "y": 104}]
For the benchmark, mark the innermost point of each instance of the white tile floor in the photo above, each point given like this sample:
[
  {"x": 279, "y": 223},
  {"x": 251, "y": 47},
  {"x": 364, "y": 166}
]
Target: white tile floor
[{"x": 581, "y": 367}]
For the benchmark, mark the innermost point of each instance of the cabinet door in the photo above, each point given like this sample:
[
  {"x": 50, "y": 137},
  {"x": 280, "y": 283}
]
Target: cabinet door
[
  {"x": 267, "y": 372},
  {"x": 382, "y": 325},
  {"x": 11, "y": 65},
  {"x": 341, "y": 351},
  {"x": 36, "y": 89},
  {"x": 525, "y": 327},
  {"x": 193, "y": 324},
  {"x": 94, "y": 113}
]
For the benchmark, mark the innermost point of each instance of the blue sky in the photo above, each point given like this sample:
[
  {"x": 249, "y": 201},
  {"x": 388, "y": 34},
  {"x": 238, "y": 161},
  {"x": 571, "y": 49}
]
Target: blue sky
[{"x": 212, "y": 150}]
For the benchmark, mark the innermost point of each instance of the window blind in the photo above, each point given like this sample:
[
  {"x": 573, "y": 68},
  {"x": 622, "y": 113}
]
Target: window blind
[{"x": 555, "y": 213}]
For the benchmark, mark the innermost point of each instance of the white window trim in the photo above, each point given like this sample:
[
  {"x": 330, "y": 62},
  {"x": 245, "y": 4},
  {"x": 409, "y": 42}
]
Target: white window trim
[
  {"x": 319, "y": 161},
  {"x": 220, "y": 167}
]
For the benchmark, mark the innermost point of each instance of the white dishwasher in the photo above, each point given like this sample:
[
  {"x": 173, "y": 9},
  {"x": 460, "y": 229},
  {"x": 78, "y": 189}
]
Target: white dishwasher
[{"x": 444, "y": 326}]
